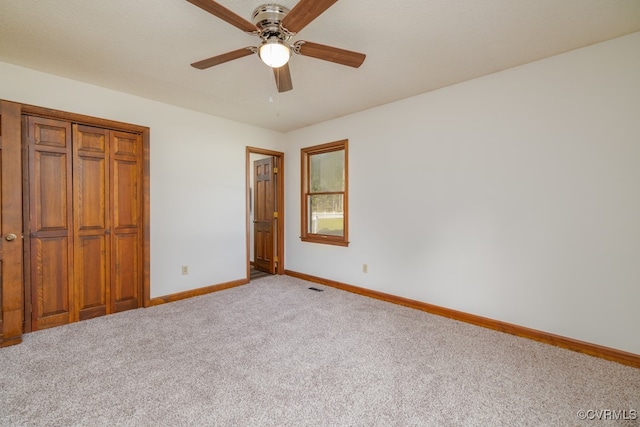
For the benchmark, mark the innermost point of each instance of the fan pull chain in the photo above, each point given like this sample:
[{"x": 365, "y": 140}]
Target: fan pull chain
[
  {"x": 278, "y": 97},
  {"x": 277, "y": 103}
]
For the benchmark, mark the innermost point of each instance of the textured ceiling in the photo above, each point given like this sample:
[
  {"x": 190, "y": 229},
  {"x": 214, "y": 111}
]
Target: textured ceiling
[{"x": 144, "y": 47}]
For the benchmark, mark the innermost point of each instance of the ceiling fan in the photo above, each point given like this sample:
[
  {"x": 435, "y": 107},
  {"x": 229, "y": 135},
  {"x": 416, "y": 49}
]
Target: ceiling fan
[{"x": 276, "y": 25}]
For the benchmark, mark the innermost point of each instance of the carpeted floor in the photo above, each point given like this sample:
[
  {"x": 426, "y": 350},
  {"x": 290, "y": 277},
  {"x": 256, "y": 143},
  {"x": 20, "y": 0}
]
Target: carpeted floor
[{"x": 274, "y": 353}]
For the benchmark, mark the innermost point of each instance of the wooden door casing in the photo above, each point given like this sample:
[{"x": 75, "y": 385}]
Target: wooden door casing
[
  {"x": 263, "y": 214},
  {"x": 252, "y": 154},
  {"x": 50, "y": 221},
  {"x": 11, "y": 249}
]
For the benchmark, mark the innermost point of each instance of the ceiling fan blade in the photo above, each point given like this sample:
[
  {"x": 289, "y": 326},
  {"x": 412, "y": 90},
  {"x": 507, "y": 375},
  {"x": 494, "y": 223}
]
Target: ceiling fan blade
[
  {"x": 225, "y": 14},
  {"x": 225, "y": 57},
  {"x": 328, "y": 53},
  {"x": 283, "y": 78},
  {"x": 304, "y": 12}
]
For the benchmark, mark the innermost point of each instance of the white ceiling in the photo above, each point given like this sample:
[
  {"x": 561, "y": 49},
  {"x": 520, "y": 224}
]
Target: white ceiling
[{"x": 144, "y": 47}]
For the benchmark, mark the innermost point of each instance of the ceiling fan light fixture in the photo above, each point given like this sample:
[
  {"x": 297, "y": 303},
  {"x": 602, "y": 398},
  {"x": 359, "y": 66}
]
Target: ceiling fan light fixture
[{"x": 274, "y": 52}]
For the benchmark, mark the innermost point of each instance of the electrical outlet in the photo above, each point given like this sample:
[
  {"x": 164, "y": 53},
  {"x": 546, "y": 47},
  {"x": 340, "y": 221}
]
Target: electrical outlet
[
  {"x": 185, "y": 270},
  {"x": 365, "y": 268}
]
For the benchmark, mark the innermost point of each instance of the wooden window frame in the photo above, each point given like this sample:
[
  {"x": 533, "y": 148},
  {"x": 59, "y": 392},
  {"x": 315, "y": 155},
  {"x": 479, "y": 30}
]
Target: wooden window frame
[{"x": 305, "y": 154}]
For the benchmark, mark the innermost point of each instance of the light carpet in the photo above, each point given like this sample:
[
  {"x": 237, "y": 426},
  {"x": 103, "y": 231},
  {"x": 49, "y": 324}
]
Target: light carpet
[{"x": 274, "y": 353}]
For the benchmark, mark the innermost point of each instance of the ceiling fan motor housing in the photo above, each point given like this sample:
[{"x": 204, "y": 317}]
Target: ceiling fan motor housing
[{"x": 268, "y": 18}]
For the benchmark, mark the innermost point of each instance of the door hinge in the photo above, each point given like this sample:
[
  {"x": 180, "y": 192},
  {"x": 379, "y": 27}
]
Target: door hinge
[
  {"x": 275, "y": 214},
  {"x": 275, "y": 170},
  {"x": 275, "y": 259}
]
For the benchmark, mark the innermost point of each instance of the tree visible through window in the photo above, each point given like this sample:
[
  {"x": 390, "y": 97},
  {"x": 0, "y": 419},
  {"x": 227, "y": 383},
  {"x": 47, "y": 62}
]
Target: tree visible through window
[{"x": 324, "y": 193}]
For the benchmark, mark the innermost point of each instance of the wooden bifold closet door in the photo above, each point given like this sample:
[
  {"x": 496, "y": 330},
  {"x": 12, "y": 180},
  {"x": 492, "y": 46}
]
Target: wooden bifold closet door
[{"x": 84, "y": 221}]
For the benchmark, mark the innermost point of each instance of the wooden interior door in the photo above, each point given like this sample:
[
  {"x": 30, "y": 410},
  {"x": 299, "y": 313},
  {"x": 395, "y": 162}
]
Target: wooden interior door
[
  {"x": 126, "y": 219},
  {"x": 50, "y": 221},
  {"x": 264, "y": 214},
  {"x": 11, "y": 285},
  {"x": 91, "y": 248}
]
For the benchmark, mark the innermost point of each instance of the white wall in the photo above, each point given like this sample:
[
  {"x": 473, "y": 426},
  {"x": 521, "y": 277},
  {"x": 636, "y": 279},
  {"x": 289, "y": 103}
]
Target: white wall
[
  {"x": 197, "y": 175},
  {"x": 514, "y": 196}
]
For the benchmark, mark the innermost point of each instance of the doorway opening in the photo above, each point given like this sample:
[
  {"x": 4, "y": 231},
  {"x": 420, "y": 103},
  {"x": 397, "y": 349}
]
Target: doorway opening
[{"x": 265, "y": 212}]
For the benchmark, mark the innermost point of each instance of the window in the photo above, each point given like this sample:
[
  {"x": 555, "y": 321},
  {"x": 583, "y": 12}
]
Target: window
[{"x": 324, "y": 193}]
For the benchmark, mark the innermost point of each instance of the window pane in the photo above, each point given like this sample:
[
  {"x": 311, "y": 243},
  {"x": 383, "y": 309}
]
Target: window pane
[
  {"x": 326, "y": 172},
  {"x": 326, "y": 214}
]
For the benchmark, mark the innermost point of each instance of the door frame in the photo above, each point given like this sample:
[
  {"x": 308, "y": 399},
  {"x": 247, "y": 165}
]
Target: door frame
[
  {"x": 279, "y": 250},
  {"x": 31, "y": 110}
]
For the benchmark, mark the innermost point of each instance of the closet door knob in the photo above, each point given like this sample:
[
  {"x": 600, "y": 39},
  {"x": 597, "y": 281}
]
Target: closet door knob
[{"x": 10, "y": 237}]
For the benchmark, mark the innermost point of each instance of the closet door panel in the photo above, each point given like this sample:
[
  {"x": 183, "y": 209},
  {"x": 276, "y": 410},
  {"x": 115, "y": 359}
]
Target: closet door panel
[
  {"x": 50, "y": 277},
  {"x": 126, "y": 144},
  {"x": 50, "y": 178},
  {"x": 127, "y": 272},
  {"x": 126, "y": 212},
  {"x": 91, "y": 221},
  {"x": 91, "y": 193},
  {"x": 126, "y": 220},
  {"x": 50, "y": 229},
  {"x": 126, "y": 181},
  {"x": 91, "y": 276}
]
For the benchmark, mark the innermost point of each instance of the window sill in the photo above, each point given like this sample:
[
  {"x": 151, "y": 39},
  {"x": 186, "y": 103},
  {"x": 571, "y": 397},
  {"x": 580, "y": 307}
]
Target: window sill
[{"x": 326, "y": 240}]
